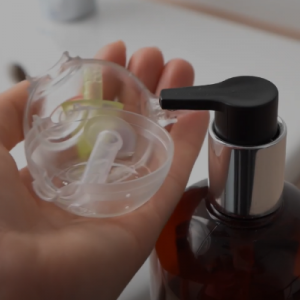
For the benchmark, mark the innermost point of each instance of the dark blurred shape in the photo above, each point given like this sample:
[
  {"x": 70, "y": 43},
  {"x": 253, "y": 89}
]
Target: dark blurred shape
[{"x": 16, "y": 72}]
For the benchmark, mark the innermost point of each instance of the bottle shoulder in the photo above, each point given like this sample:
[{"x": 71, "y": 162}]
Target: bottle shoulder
[
  {"x": 195, "y": 221},
  {"x": 199, "y": 195}
]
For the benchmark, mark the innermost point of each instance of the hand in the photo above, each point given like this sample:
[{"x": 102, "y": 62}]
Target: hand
[{"x": 47, "y": 253}]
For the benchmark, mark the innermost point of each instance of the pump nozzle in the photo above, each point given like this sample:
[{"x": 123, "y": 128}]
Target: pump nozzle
[{"x": 245, "y": 107}]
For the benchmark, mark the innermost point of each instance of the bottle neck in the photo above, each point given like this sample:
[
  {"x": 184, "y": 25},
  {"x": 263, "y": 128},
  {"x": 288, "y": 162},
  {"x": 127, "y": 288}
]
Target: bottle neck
[{"x": 247, "y": 182}]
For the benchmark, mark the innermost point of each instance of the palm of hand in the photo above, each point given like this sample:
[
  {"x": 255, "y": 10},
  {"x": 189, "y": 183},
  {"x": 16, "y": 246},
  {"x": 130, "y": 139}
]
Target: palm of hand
[{"x": 47, "y": 253}]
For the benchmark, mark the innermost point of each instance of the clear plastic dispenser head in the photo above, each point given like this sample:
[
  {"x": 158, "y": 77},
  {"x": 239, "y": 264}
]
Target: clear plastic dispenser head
[{"x": 94, "y": 138}]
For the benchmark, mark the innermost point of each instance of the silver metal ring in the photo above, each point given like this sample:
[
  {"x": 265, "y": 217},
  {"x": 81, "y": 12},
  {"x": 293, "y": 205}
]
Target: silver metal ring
[{"x": 247, "y": 182}]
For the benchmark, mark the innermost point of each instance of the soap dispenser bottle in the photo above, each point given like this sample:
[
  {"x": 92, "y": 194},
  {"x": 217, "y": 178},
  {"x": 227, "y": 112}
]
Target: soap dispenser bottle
[{"x": 235, "y": 236}]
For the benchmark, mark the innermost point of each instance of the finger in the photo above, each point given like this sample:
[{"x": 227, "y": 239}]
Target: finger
[
  {"x": 116, "y": 53},
  {"x": 187, "y": 134},
  {"x": 147, "y": 64},
  {"x": 176, "y": 73},
  {"x": 12, "y": 106}
]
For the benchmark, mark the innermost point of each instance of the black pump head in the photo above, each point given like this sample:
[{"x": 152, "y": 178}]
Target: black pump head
[{"x": 245, "y": 108}]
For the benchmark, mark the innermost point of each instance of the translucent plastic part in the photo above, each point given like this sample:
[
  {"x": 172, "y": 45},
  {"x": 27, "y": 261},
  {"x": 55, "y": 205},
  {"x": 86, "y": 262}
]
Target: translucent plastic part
[
  {"x": 104, "y": 153},
  {"x": 94, "y": 138}
]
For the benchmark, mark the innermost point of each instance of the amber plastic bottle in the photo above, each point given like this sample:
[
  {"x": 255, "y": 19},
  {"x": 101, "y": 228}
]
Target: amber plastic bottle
[{"x": 237, "y": 235}]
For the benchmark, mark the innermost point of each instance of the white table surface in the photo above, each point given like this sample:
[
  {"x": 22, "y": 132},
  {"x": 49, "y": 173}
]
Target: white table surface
[
  {"x": 278, "y": 13},
  {"x": 217, "y": 49}
]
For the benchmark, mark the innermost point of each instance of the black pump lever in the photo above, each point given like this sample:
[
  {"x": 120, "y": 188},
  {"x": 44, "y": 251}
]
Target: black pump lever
[{"x": 246, "y": 107}]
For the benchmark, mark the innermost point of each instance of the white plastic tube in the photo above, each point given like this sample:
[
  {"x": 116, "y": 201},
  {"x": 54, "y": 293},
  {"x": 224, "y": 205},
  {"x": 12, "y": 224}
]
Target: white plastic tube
[{"x": 106, "y": 148}]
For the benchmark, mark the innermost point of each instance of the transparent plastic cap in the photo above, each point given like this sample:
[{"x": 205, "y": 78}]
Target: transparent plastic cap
[{"x": 95, "y": 141}]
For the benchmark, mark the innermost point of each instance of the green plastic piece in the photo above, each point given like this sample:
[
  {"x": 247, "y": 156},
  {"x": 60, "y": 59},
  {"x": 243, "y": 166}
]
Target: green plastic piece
[
  {"x": 83, "y": 147},
  {"x": 92, "y": 97}
]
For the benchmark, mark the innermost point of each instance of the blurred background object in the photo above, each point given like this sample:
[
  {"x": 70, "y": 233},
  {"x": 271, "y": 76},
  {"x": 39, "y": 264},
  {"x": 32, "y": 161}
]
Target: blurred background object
[
  {"x": 16, "y": 72},
  {"x": 68, "y": 10},
  {"x": 277, "y": 16}
]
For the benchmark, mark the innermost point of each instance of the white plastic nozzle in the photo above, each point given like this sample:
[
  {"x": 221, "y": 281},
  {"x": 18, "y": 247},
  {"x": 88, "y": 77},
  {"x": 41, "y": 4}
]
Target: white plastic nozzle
[
  {"x": 93, "y": 89},
  {"x": 104, "y": 152}
]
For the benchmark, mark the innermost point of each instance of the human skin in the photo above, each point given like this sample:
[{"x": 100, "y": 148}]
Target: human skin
[{"x": 48, "y": 253}]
